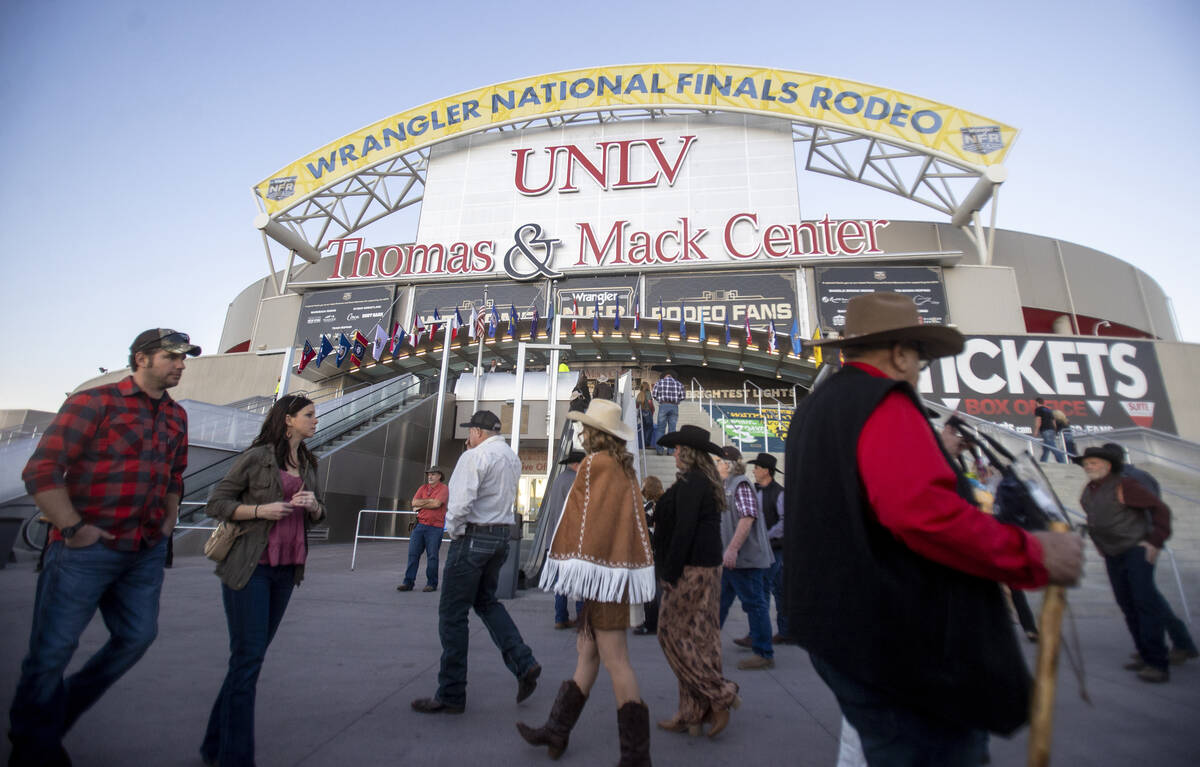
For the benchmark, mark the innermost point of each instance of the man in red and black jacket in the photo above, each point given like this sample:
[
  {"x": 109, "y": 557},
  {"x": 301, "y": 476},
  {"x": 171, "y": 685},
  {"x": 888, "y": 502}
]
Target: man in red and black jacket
[
  {"x": 892, "y": 573},
  {"x": 108, "y": 474}
]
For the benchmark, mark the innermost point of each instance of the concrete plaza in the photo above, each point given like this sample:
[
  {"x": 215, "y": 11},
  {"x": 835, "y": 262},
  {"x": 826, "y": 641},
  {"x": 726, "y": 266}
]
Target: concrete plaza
[{"x": 353, "y": 652}]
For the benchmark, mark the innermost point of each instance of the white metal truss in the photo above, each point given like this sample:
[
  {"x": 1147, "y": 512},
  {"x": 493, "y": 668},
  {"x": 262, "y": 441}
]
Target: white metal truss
[{"x": 913, "y": 173}]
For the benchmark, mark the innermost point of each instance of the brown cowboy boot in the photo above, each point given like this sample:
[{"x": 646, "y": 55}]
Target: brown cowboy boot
[
  {"x": 633, "y": 728},
  {"x": 563, "y": 715}
]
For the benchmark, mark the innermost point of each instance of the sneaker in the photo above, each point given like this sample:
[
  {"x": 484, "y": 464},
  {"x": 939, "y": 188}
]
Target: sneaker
[
  {"x": 404, "y": 587},
  {"x": 429, "y": 588},
  {"x": 1153, "y": 675},
  {"x": 1177, "y": 656},
  {"x": 435, "y": 706},
  {"x": 527, "y": 682},
  {"x": 756, "y": 663},
  {"x": 743, "y": 641}
]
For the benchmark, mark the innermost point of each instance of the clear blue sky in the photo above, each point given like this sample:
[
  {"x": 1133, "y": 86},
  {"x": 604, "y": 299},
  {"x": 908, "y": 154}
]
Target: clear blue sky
[{"x": 132, "y": 132}]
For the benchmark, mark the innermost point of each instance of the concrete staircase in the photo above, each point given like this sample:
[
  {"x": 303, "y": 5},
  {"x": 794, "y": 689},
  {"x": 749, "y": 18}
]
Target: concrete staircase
[{"x": 1093, "y": 597}]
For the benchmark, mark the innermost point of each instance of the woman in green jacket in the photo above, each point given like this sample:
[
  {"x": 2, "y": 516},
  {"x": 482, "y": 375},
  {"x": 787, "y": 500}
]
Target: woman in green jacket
[{"x": 272, "y": 494}]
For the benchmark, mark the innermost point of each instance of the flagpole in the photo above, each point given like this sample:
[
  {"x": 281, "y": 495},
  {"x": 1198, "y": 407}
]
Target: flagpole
[
  {"x": 441, "y": 400},
  {"x": 479, "y": 355},
  {"x": 551, "y": 406}
]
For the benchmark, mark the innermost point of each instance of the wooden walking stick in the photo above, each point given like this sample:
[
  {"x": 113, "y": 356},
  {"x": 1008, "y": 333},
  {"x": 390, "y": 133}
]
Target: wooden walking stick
[{"x": 1045, "y": 678}]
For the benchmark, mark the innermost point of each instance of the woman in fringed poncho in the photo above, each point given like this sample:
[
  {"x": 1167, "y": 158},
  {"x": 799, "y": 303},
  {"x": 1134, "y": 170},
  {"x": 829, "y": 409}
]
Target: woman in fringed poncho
[{"x": 601, "y": 552}]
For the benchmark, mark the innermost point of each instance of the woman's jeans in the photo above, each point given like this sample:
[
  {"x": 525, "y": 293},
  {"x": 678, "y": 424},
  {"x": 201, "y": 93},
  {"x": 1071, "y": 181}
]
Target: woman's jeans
[{"x": 253, "y": 614}]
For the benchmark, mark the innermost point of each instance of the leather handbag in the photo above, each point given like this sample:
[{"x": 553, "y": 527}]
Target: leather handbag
[{"x": 221, "y": 541}]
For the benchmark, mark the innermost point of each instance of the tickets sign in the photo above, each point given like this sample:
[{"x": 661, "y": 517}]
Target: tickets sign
[
  {"x": 1100, "y": 384},
  {"x": 889, "y": 114}
]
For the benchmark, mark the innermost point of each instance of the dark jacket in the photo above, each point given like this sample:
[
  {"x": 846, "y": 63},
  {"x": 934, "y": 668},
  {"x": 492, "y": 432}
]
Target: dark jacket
[
  {"x": 770, "y": 495},
  {"x": 254, "y": 479},
  {"x": 929, "y": 637},
  {"x": 687, "y": 527}
]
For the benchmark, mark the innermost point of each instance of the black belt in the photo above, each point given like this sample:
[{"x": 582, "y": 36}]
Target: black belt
[{"x": 495, "y": 529}]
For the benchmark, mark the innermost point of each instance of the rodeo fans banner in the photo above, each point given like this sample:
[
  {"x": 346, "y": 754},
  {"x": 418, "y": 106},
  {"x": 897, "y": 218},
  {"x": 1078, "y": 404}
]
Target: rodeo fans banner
[{"x": 1100, "y": 384}]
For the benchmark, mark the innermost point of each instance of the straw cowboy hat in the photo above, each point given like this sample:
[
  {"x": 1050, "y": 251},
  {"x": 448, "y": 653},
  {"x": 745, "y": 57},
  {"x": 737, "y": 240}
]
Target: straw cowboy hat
[
  {"x": 877, "y": 318},
  {"x": 604, "y": 415},
  {"x": 690, "y": 436}
]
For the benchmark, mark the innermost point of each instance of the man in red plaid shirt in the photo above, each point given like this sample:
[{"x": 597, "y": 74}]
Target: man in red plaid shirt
[{"x": 108, "y": 474}]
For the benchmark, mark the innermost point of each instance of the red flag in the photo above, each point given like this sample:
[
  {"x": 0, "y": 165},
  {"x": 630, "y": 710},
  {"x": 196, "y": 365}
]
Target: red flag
[
  {"x": 749, "y": 337},
  {"x": 574, "y": 314},
  {"x": 306, "y": 356}
]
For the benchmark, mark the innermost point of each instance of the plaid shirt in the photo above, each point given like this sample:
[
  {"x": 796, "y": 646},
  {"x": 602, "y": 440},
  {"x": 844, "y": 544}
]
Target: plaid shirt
[
  {"x": 668, "y": 389},
  {"x": 118, "y": 453},
  {"x": 745, "y": 501}
]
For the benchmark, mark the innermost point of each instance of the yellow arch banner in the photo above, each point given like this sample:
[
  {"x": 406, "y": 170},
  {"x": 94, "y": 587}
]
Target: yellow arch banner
[{"x": 928, "y": 126}]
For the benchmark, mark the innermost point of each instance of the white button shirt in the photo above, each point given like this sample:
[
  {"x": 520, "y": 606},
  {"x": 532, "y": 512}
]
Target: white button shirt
[{"x": 483, "y": 487}]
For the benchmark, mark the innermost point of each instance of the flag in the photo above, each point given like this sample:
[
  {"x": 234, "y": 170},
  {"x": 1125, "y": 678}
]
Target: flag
[
  {"x": 660, "y": 317},
  {"x": 549, "y": 319},
  {"x": 596, "y": 316},
  {"x": 305, "y": 356},
  {"x": 703, "y": 332},
  {"x": 617, "y": 316},
  {"x": 343, "y": 348},
  {"x": 797, "y": 341},
  {"x": 326, "y": 350},
  {"x": 728, "y": 338},
  {"x": 397, "y": 338},
  {"x": 476, "y": 330},
  {"x": 512, "y": 321},
  {"x": 433, "y": 326},
  {"x": 637, "y": 313},
  {"x": 574, "y": 315},
  {"x": 381, "y": 340},
  {"x": 418, "y": 329},
  {"x": 358, "y": 349},
  {"x": 817, "y": 349},
  {"x": 749, "y": 336},
  {"x": 533, "y": 325},
  {"x": 771, "y": 337},
  {"x": 455, "y": 324},
  {"x": 493, "y": 321},
  {"x": 682, "y": 322}
]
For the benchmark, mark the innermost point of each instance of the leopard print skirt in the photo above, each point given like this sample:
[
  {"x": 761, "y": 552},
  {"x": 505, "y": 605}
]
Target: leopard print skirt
[{"x": 690, "y": 634}]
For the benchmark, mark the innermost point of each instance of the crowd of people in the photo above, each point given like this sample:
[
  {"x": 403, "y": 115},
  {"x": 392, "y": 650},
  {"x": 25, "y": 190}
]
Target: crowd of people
[{"x": 876, "y": 552}]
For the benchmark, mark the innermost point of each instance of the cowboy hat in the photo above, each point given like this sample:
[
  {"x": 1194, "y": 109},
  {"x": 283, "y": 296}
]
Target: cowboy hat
[
  {"x": 690, "y": 436},
  {"x": 575, "y": 456},
  {"x": 436, "y": 470},
  {"x": 1106, "y": 453},
  {"x": 767, "y": 461},
  {"x": 877, "y": 318},
  {"x": 605, "y": 415}
]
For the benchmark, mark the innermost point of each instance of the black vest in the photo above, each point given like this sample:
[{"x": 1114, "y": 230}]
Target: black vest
[
  {"x": 932, "y": 638},
  {"x": 770, "y": 495}
]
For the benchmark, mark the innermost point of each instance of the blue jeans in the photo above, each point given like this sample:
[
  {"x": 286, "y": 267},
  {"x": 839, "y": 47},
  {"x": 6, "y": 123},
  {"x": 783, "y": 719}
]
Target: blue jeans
[
  {"x": 896, "y": 736},
  {"x": 668, "y": 417},
  {"x": 773, "y": 584},
  {"x": 646, "y": 438},
  {"x": 428, "y": 539},
  {"x": 748, "y": 584},
  {"x": 125, "y": 586},
  {"x": 1050, "y": 446},
  {"x": 1132, "y": 579},
  {"x": 253, "y": 614},
  {"x": 470, "y": 578},
  {"x": 561, "y": 615}
]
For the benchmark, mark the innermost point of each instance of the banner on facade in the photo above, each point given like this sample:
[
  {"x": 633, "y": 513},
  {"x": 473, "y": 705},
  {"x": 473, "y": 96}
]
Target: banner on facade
[
  {"x": 1100, "y": 384},
  {"x": 343, "y": 310},
  {"x": 836, "y": 285}
]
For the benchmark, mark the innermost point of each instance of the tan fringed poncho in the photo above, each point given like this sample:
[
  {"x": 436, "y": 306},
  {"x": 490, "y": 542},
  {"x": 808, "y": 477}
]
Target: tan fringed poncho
[{"x": 601, "y": 547}]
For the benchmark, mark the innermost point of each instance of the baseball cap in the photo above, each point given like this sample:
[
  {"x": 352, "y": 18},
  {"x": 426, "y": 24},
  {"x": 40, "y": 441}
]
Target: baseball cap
[
  {"x": 731, "y": 453},
  {"x": 484, "y": 419},
  {"x": 164, "y": 338}
]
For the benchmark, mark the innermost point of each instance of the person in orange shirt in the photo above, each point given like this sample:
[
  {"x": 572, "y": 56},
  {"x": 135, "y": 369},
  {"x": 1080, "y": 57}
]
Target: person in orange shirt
[{"x": 430, "y": 505}]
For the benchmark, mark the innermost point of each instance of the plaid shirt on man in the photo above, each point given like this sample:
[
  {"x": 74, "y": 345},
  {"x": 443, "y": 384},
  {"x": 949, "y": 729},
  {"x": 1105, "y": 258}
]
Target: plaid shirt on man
[
  {"x": 668, "y": 390},
  {"x": 118, "y": 453}
]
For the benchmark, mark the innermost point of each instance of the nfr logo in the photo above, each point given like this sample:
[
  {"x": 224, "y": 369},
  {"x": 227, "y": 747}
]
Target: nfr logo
[{"x": 611, "y": 168}]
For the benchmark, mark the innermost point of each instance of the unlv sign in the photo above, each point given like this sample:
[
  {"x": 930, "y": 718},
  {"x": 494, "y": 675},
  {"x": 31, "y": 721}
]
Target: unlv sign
[{"x": 611, "y": 167}]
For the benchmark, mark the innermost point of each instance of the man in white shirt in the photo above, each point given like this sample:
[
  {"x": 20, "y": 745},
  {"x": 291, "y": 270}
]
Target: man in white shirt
[{"x": 479, "y": 520}]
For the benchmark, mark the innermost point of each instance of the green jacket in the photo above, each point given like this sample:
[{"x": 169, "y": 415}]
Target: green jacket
[{"x": 254, "y": 479}]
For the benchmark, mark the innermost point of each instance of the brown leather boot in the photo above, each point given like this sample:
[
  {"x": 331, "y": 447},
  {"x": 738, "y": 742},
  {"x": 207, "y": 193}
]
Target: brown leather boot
[
  {"x": 633, "y": 727},
  {"x": 563, "y": 716}
]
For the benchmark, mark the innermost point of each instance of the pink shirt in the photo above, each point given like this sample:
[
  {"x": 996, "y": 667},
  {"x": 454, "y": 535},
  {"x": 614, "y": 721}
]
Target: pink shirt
[{"x": 285, "y": 543}]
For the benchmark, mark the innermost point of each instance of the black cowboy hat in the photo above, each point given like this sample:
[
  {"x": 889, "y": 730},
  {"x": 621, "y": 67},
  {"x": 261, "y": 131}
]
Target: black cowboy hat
[
  {"x": 690, "y": 436},
  {"x": 767, "y": 461},
  {"x": 575, "y": 456},
  {"x": 1106, "y": 453},
  {"x": 877, "y": 318}
]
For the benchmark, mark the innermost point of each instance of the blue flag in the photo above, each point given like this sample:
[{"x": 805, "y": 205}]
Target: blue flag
[
  {"x": 512, "y": 321},
  {"x": 617, "y": 316},
  {"x": 533, "y": 325},
  {"x": 682, "y": 323},
  {"x": 596, "y": 316},
  {"x": 728, "y": 338},
  {"x": 797, "y": 342},
  {"x": 325, "y": 350},
  {"x": 703, "y": 334},
  {"x": 343, "y": 349},
  {"x": 493, "y": 321},
  {"x": 660, "y": 316}
]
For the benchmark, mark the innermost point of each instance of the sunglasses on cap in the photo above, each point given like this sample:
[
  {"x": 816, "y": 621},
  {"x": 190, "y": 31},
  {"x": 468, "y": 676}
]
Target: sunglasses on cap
[{"x": 173, "y": 342}]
